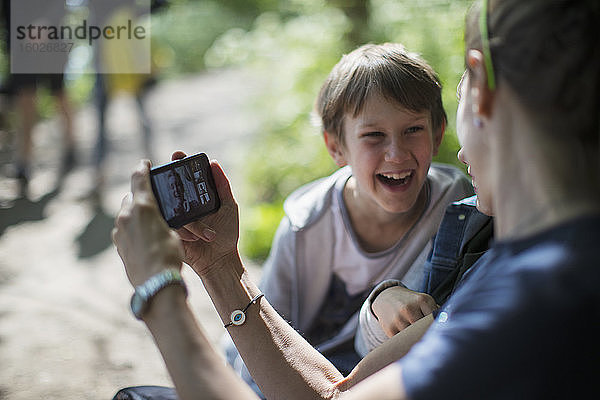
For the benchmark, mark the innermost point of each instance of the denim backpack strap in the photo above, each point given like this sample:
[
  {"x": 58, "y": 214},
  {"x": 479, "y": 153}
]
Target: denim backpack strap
[
  {"x": 476, "y": 236},
  {"x": 447, "y": 243}
]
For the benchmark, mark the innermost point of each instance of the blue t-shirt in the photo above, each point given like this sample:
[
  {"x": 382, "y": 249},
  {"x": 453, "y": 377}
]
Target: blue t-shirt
[{"x": 524, "y": 324}]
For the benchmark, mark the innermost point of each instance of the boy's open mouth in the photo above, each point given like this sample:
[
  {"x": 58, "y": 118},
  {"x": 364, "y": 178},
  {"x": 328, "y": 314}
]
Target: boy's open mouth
[{"x": 395, "y": 179}]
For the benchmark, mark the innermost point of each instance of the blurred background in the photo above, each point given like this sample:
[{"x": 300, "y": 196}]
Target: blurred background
[{"x": 234, "y": 78}]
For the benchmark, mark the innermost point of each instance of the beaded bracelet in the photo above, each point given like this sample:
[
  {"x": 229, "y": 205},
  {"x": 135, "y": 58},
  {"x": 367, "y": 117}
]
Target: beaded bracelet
[{"x": 238, "y": 317}]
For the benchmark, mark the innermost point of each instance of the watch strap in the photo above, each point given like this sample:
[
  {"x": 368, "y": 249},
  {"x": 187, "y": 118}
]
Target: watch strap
[{"x": 140, "y": 301}]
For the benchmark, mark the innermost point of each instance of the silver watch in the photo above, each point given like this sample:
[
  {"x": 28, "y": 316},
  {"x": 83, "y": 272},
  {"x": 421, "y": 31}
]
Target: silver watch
[{"x": 144, "y": 293}]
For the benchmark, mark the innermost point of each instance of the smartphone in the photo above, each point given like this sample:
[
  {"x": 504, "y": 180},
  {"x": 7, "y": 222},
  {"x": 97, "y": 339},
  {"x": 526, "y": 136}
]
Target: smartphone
[{"x": 185, "y": 190}]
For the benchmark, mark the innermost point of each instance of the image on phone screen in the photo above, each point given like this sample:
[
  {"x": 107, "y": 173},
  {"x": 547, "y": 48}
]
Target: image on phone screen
[{"x": 185, "y": 190}]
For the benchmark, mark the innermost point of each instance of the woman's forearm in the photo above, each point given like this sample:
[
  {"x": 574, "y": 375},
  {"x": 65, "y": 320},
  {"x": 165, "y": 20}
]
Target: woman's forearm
[
  {"x": 195, "y": 368},
  {"x": 282, "y": 363}
]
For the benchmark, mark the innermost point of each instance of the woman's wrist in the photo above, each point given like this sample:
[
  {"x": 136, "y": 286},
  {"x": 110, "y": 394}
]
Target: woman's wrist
[
  {"x": 140, "y": 275},
  {"x": 165, "y": 304},
  {"x": 229, "y": 286},
  {"x": 226, "y": 262}
]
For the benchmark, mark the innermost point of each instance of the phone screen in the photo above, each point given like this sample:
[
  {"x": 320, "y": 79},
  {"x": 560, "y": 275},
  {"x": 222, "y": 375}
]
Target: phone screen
[{"x": 185, "y": 190}]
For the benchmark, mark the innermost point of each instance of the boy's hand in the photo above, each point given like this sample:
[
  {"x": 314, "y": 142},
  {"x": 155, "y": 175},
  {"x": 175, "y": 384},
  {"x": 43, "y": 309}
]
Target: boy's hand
[
  {"x": 215, "y": 236},
  {"x": 398, "y": 307},
  {"x": 142, "y": 237}
]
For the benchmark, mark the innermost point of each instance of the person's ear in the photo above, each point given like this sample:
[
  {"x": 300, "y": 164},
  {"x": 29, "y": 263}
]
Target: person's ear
[
  {"x": 483, "y": 97},
  {"x": 437, "y": 138},
  {"x": 335, "y": 148}
]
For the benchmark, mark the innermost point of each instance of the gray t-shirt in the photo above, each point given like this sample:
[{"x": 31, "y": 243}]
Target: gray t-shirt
[{"x": 361, "y": 270}]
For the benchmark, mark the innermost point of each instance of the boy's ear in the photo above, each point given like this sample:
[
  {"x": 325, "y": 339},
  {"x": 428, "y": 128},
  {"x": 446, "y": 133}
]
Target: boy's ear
[
  {"x": 437, "y": 138},
  {"x": 482, "y": 95},
  {"x": 335, "y": 148}
]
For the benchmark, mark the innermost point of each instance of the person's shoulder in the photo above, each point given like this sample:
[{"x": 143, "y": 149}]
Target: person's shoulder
[
  {"x": 446, "y": 173},
  {"x": 307, "y": 203},
  {"x": 448, "y": 182},
  {"x": 563, "y": 256}
]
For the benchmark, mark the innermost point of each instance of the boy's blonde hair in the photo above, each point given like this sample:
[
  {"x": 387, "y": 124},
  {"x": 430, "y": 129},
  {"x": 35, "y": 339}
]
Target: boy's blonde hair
[{"x": 387, "y": 70}]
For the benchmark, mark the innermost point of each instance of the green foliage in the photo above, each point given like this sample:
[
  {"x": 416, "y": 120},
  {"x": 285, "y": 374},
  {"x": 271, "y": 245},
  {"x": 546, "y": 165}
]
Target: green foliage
[
  {"x": 294, "y": 66},
  {"x": 259, "y": 224},
  {"x": 185, "y": 30}
]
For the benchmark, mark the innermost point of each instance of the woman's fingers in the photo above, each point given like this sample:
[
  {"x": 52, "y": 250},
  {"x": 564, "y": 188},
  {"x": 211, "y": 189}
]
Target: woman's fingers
[
  {"x": 186, "y": 235},
  {"x": 222, "y": 184},
  {"x": 178, "y": 155},
  {"x": 200, "y": 230},
  {"x": 140, "y": 179}
]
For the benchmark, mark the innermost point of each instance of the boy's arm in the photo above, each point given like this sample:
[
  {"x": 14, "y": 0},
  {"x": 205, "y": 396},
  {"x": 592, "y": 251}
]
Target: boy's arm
[
  {"x": 370, "y": 334},
  {"x": 389, "y": 309},
  {"x": 398, "y": 308}
]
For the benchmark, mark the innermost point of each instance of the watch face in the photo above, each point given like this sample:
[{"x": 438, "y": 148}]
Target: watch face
[{"x": 137, "y": 305}]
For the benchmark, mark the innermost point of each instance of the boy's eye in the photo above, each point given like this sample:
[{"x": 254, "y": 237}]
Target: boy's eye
[
  {"x": 415, "y": 129},
  {"x": 372, "y": 134}
]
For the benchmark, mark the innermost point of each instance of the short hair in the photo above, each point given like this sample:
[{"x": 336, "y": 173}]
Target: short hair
[{"x": 387, "y": 70}]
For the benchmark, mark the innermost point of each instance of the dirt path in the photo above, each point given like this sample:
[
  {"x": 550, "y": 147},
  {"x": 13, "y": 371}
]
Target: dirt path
[{"x": 65, "y": 328}]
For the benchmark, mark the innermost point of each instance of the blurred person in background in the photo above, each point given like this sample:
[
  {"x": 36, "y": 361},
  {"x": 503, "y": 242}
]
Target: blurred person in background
[
  {"x": 113, "y": 56},
  {"x": 23, "y": 88}
]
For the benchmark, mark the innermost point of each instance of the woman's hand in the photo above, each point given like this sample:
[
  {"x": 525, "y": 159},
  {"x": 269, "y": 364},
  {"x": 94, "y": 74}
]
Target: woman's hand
[
  {"x": 398, "y": 307},
  {"x": 215, "y": 236},
  {"x": 142, "y": 237}
]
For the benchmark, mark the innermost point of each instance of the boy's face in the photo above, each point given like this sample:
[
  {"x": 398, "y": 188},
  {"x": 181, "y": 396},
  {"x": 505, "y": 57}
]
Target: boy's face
[{"x": 389, "y": 149}]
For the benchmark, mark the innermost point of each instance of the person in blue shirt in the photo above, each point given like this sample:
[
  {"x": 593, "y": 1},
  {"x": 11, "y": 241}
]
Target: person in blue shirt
[{"x": 522, "y": 325}]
